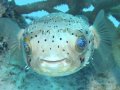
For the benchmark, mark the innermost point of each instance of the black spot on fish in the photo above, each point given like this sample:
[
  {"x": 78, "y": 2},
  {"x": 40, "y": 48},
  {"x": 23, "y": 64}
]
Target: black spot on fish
[
  {"x": 53, "y": 36},
  {"x": 55, "y": 26},
  {"x": 58, "y": 46},
  {"x": 38, "y": 41},
  {"x": 66, "y": 41},
  {"x": 72, "y": 33},
  {"x": 45, "y": 40},
  {"x": 42, "y": 50},
  {"x": 35, "y": 35},
  {"x": 89, "y": 41},
  {"x": 68, "y": 53},
  {"x": 86, "y": 32},
  {"x": 63, "y": 49},
  {"x": 52, "y": 40},
  {"x": 82, "y": 59},
  {"x": 60, "y": 38}
]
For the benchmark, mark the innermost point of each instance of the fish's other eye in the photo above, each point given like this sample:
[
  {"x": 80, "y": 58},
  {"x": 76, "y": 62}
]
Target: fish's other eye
[
  {"x": 81, "y": 42},
  {"x": 27, "y": 48}
]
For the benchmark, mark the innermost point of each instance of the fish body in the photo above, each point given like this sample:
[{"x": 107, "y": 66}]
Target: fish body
[
  {"x": 9, "y": 43},
  {"x": 60, "y": 44}
]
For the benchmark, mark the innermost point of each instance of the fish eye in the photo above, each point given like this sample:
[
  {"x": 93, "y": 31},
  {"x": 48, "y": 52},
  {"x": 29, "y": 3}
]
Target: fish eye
[
  {"x": 27, "y": 48},
  {"x": 81, "y": 42}
]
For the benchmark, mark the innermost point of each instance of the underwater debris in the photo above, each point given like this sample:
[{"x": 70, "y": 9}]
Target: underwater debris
[{"x": 75, "y": 8}]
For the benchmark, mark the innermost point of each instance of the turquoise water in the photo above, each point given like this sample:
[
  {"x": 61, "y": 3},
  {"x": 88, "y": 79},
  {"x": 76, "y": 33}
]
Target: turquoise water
[{"x": 15, "y": 76}]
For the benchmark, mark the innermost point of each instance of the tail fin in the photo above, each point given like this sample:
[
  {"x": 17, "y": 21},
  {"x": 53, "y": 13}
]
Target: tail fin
[{"x": 105, "y": 32}]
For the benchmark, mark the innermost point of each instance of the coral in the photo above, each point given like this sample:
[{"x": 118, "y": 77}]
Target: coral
[
  {"x": 2, "y": 9},
  {"x": 75, "y": 8},
  {"x": 103, "y": 82},
  {"x": 10, "y": 75}
]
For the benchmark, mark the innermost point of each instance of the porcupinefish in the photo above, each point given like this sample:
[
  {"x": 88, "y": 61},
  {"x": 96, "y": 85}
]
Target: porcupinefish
[
  {"x": 60, "y": 44},
  {"x": 9, "y": 44}
]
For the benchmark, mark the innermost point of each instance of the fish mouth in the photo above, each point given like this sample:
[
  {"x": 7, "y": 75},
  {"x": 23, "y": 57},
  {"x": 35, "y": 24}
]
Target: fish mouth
[
  {"x": 54, "y": 61},
  {"x": 55, "y": 66}
]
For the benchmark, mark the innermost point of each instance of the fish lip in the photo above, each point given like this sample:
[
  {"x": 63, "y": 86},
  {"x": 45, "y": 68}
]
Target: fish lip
[
  {"x": 56, "y": 61},
  {"x": 55, "y": 66}
]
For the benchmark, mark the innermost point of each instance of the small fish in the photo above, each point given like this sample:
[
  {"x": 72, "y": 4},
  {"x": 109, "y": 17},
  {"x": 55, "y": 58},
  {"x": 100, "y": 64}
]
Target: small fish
[
  {"x": 9, "y": 43},
  {"x": 60, "y": 44}
]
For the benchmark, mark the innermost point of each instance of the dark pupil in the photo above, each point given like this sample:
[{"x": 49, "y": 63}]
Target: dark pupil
[{"x": 81, "y": 42}]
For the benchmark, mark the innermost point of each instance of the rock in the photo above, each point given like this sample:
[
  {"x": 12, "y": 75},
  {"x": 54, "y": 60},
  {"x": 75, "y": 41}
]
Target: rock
[{"x": 2, "y": 10}]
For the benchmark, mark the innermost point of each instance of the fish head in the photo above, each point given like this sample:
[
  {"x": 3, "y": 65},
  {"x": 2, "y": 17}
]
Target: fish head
[{"x": 58, "y": 44}]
